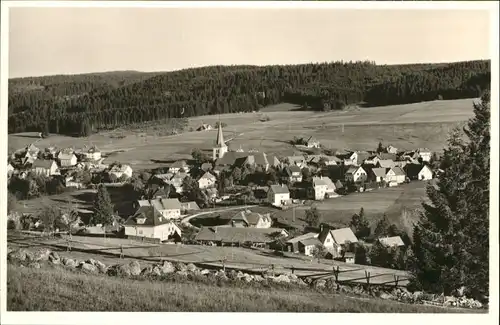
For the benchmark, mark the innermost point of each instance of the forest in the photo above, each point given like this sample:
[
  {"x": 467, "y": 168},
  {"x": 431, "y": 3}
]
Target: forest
[{"x": 79, "y": 105}]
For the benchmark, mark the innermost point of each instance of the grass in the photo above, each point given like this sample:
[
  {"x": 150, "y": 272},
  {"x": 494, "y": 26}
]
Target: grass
[
  {"x": 405, "y": 126},
  {"x": 54, "y": 289}
]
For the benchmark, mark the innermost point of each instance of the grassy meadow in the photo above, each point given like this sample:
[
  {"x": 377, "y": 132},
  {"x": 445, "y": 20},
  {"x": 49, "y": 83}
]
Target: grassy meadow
[
  {"x": 55, "y": 289},
  {"x": 405, "y": 126}
]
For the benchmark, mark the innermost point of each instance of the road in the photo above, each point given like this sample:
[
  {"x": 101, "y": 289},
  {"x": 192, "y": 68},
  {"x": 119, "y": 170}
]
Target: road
[{"x": 185, "y": 220}]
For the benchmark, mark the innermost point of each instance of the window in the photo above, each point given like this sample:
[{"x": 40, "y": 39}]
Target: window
[{"x": 140, "y": 231}]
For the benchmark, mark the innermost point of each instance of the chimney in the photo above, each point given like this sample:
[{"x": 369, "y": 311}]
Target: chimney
[
  {"x": 232, "y": 223},
  {"x": 320, "y": 228}
]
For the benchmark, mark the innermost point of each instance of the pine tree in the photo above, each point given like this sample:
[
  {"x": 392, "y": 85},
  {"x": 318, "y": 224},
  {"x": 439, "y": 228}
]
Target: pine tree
[
  {"x": 360, "y": 224},
  {"x": 103, "y": 207},
  {"x": 451, "y": 245},
  {"x": 382, "y": 227}
]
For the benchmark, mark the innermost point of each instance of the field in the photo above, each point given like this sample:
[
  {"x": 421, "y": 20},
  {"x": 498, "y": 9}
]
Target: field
[
  {"x": 392, "y": 201},
  {"x": 56, "y": 289},
  {"x": 107, "y": 250},
  {"x": 404, "y": 126}
]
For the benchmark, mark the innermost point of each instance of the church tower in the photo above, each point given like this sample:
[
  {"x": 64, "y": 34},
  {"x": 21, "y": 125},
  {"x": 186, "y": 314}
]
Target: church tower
[{"x": 220, "y": 146}]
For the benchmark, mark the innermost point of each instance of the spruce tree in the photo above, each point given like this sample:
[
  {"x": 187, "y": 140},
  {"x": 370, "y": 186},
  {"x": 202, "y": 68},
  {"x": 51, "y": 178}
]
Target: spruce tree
[
  {"x": 103, "y": 207},
  {"x": 451, "y": 241}
]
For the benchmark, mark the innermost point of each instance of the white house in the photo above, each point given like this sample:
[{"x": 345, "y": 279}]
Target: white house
[
  {"x": 206, "y": 181},
  {"x": 299, "y": 161},
  {"x": 177, "y": 166},
  {"x": 391, "y": 149},
  {"x": 148, "y": 222},
  {"x": 319, "y": 187},
  {"x": 120, "y": 170},
  {"x": 307, "y": 246},
  {"x": 425, "y": 154},
  {"x": 44, "y": 167},
  {"x": 93, "y": 153},
  {"x": 169, "y": 208},
  {"x": 378, "y": 174},
  {"x": 67, "y": 159},
  {"x": 278, "y": 195},
  {"x": 395, "y": 175},
  {"x": 350, "y": 158},
  {"x": 293, "y": 174},
  {"x": 356, "y": 174}
]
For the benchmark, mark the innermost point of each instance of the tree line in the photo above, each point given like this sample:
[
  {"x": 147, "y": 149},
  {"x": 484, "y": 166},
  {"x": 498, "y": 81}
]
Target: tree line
[{"x": 80, "y": 104}]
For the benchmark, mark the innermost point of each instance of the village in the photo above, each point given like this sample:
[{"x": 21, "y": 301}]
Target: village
[{"x": 171, "y": 198}]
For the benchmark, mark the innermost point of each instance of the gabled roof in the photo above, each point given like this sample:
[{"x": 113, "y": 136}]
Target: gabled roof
[
  {"x": 323, "y": 235},
  {"x": 230, "y": 158},
  {"x": 387, "y": 156},
  {"x": 279, "y": 189},
  {"x": 398, "y": 171},
  {"x": 423, "y": 150},
  {"x": 362, "y": 156},
  {"x": 319, "y": 181},
  {"x": 295, "y": 159},
  {"x": 391, "y": 241},
  {"x": 302, "y": 237},
  {"x": 273, "y": 160},
  {"x": 162, "y": 204},
  {"x": 413, "y": 170},
  {"x": 379, "y": 172},
  {"x": 294, "y": 169},
  {"x": 207, "y": 175},
  {"x": 237, "y": 234},
  {"x": 250, "y": 218},
  {"x": 386, "y": 163},
  {"x": 42, "y": 163},
  {"x": 151, "y": 215},
  {"x": 179, "y": 164},
  {"x": 341, "y": 236},
  {"x": 192, "y": 205},
  {"x": 310, "y": 242},
  {"x": 65, "y": 155},
  {"x": 354, "y": 169}
]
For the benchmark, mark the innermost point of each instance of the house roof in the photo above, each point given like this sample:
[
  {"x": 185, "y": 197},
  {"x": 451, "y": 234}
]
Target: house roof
[
  {"x": 179, "y": 164},
  {"x": 230, "y": 158},
  {"x": 354, "y": 169},
  {"x": 279, "y": 189},
  {"x": 42, "y": 163},
  {"x": 65, "y": 155},
  {"x": 161, "y": 204},
  {"x": 295, "y": 159},
  {"x": 164, "y": 177},
  {"x": 341, "y": 236},
  {"x": 237, "y": 234},
  {"x": 362, "y": 156},
  {"x": 398, "y": 171},
  {"x": 391, "y": 241},
  {"x": 206, "y": 166},
  {"x": 273, "y": 160},
  {"x": 249, "y": 217},
  {"x": 387, "y": 156},
  {"x": 294, "y": 169},
  {"x": 93, "y": 149},
  {"x": 119, "y": 168},
  {"x": 319, "y": 181},
  {"x": 302, "y": 237},
  {"x": 338, "y": 184},
  {"x": 310, "y": 242},
  {"x": 386, "y": 163},
  {"x": 323, "y": 234},
  {"x": 207, "y": 175},
  {"x": 150, "y": 213},
  {"x": 379, "y": 172},
  {"x": 423, "y": 150},
  {"x": 413, "y": 169},
  {"x": 329, "y": 183},
  {"x": 192, "y": 205}
]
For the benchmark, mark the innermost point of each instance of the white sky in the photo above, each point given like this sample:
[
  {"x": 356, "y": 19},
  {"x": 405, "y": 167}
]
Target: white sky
[{"x": 45, "y": 41}]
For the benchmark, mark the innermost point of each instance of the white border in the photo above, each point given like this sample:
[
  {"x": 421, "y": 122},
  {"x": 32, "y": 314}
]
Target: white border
[{"x": 286, "y": 318}]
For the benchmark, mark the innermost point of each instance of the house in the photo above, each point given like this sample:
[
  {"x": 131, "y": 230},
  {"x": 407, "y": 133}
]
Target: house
[
  {"x": 312, "y": 143},
  {"x": 418, "y": 172},
  {"x": 362, "y": 156},
  {"x": 93, "y": 153},
  {"x": 50, "y": 153},
  {"x": 10, "y": 170},
  {"x": 189, "y": 206},
  {"x": 348, "y": 158},
  {"x": 298, "y": 160},
  {"x": 204, "y": 127},
  {"x": 347, "y": 257},
  {"x": 395, "y": 241},
  {"x": 293, "y": 243},
  {"x": 387, "y": 156},
  {"x": 256, "y": 160},
  {"x": 356, "y": 174},
  {"x": 319, "y": 188},
  {"x": 31, "y": 151},
  {"x": 206, "y": 181},
  {"x": 391, "y": 149},
  {"x": 220, "y": 148},
  {"x": 229, "y": 158},
  {"x": 378, "y": 175},
  {"x": 67, "y": 159},
  {"x": 292, "y": 174},
  {"x": 385, "y": 163},
  {"x": 227, "y": 235},
  {"x": 71, "y": 181},
  {"x": 177, "y": 166},
  {"x": 307, "y": 246},
  {"x": 395, "y": 175},
  {"x": 120, "y": 170},
  {"x": 251, "y": 219},
  {"x": 148, "y": 222},
  {"x": 28, "y": 161},
  {"x": 44, "y": 167},
  {"x": 344, "y": 236},
  {"x": 322, "y": 160},
  {"x": 273, "y": 161},
  {"x": 278, "y": 195},
  {"x": 326, "y": 239},
  {"x": 372, "y": 160},
  {"x": 169, "y": 208},
  {"x": 424, "y": 154}
]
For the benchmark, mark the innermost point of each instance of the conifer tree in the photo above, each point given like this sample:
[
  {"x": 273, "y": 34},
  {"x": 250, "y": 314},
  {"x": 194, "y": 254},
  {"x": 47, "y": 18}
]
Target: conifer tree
[
  {"x": 103, "y": 207},
  {"x": 451, "y": 241}
]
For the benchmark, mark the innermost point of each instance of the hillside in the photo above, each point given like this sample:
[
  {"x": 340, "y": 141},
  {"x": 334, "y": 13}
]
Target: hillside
[
  {"x": 76, "y": 105},
  {"x": 57, "y": 289}
]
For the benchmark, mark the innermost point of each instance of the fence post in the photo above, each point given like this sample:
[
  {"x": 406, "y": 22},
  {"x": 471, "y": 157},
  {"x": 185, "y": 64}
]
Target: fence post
[
  {"x": 336, "y": 272},
  {"x": 293, "y": 270},
  {"x": 272, "y": 267},
  {"x": 367, "y": 275},
  {"x": 396, "y": 280},
  {"x": 224, "y": 265},
  {"x": 121, "y": 251}
]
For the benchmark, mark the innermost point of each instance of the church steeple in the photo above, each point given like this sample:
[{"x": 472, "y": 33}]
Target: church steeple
[
  {"x": 220, "y": 147},
  {"x": 220, "y": 136}
]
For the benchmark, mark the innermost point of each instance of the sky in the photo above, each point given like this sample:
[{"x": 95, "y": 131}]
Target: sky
[{"x": 47, "y": 41}]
